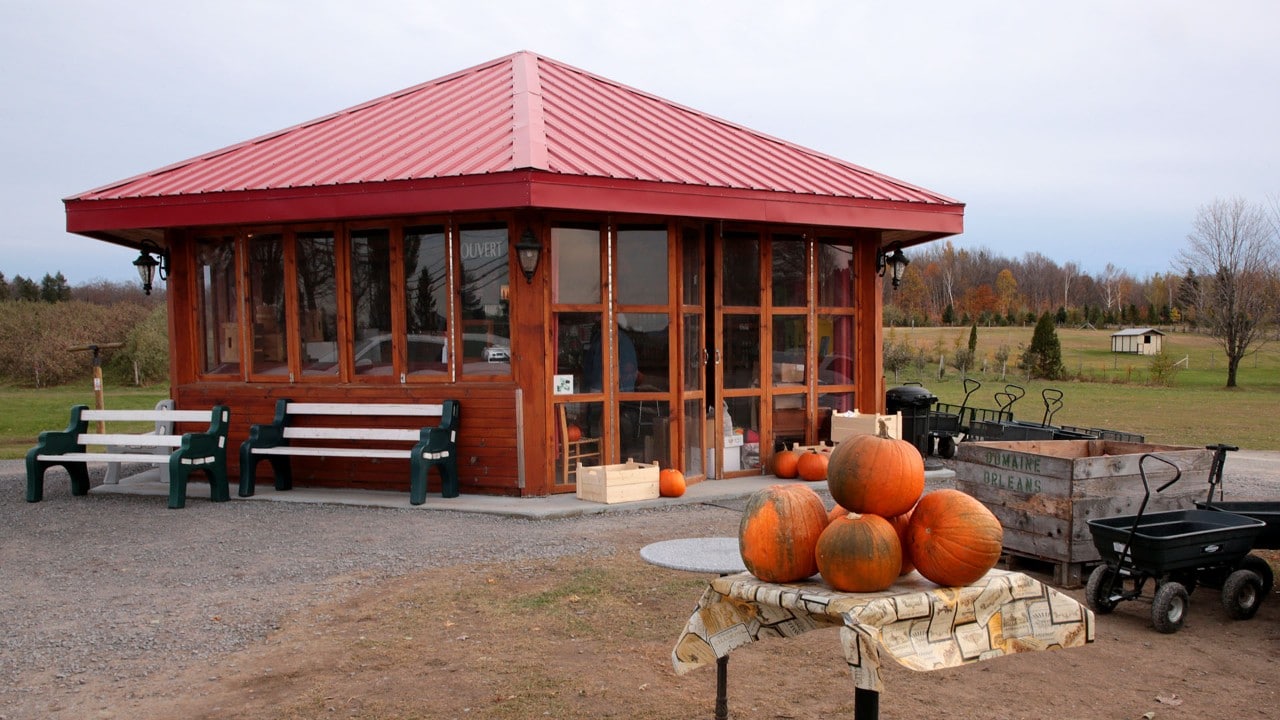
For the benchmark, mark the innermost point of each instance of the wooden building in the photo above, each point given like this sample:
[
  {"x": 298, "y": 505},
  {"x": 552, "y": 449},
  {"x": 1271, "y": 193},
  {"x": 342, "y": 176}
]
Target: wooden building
[
  {"x": 1138, "y": 341},
  {"x": 696, "y": 292}
]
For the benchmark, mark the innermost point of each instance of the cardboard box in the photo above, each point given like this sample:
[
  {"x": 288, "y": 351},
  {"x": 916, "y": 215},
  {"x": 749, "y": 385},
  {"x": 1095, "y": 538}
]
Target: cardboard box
[
  {"x": 618, "y": 483},
  {"x": 791, "y": 372},
  {"x": 845, "y": 426}
]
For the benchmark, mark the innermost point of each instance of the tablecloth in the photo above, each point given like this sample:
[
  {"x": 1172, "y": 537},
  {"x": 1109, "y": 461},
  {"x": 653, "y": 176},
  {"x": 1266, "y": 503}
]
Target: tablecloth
[{"x": 920, "y": 625}]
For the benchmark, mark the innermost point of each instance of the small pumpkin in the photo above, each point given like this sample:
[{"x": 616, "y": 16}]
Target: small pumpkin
[
  {"x": 952, "y": 538},
  {"x": 671, "y": 483},
  {"x": 574, "y": 432},
  {"x": 812, "y": 466},
  {"x": 900, "y": 523},
  {"x": 836, "y": 512},
  {"x": 859, "y": 553},
  {"x": 876, "y": 474},
  {"x": 779, "y": 532},
  {"x": 785, "y": 464}
]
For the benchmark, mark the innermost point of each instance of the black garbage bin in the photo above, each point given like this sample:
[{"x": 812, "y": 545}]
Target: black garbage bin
[{"x": 914, "y": 402}]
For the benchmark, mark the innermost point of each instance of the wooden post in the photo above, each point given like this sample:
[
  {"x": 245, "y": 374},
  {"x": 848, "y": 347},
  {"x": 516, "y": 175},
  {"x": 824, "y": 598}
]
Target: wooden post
[{"x": 99, "y": 402}]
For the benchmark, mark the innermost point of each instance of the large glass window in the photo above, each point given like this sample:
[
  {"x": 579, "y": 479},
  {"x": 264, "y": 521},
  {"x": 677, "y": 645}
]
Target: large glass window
[
  {"x": 790, "y": 271},
  {"x": 219, "y": 316},
  {"x": 317, "y": 302},
  {"x": 426, "y": 278},
  {"x": 371, "y": 301},
  {"x": 740, "y": 271},
  {"x": 835, "y": 273},
  {"x": 576, "y": 274},
  {"x": 266, "y": 297},
  {"x": 642, "y": 265},
  {"x": 486, "y": 316}
]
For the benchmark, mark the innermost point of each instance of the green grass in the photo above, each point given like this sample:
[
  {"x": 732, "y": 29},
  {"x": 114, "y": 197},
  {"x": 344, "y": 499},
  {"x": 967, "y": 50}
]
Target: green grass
[
  {"x": 25, "y": 412},
  {"x": 1197, "y": 409}
]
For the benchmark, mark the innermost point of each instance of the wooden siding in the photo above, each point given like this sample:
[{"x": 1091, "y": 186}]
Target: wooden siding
[{"x": 487, "y": 456}]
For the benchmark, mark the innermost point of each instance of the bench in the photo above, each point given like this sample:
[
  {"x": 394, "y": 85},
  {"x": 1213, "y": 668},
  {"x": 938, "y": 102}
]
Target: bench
[
  {"x": 278, "y": 441},
  {"x": 181, "y": 454}
]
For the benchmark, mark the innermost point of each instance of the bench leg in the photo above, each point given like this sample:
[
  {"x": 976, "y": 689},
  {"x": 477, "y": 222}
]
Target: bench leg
[
  {"x": 247, "y": 468},
  {"x": 420, "y": 468},
  {"x": 178, "y": 484},
  {"x": 449, "y": 478},
  {"x": 36, "y": 469}
]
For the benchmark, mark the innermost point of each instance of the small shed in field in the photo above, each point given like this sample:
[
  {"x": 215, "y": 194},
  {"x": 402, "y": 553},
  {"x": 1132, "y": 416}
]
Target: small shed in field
[{"x": 1139, "y": 341}]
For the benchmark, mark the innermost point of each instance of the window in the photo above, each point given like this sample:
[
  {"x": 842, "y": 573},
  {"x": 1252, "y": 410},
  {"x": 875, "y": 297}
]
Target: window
[
  {"x": 426, "y": 270},
  {"x": 219, "y": 318},
  {"x": 371, "y": 302},
  {"x": 317, "y": 302},
  {"x": 484, "y": 291},
  {"x": 266, "y": 298}
]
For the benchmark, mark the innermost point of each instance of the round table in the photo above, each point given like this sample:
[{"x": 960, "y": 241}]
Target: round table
[{"x": 718, "y": 555}]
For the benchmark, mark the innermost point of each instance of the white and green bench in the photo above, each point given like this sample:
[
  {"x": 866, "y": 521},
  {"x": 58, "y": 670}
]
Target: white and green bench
[{"x": 180, "y": 454}]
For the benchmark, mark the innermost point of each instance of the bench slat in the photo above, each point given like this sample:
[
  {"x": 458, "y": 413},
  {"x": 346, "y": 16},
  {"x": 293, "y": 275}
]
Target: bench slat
[
  {"x": 139, "y": 440},
  {"x": 106, "y": 457},
  {"x": 375, "y": 409},
  {"x": 317, "y": 433},
  {"x": 148, "y": 415},
  {"x": 333, "y": 452}
]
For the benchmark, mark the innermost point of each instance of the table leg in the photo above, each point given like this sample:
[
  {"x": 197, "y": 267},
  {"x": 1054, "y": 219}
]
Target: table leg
[
  {"x": 866, "y": 704},
  {"x": 722, "y": 688}
]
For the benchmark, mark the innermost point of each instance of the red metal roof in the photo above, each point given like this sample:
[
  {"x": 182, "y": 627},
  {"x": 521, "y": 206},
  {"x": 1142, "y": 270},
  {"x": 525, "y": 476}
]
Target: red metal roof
[{"x": 520, "y": 131}]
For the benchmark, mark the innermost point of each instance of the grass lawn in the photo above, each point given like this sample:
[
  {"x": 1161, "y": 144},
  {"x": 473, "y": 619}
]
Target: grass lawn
[
  {"x": 24, "y": 412},
  {"x": 1197, "y": 409}
]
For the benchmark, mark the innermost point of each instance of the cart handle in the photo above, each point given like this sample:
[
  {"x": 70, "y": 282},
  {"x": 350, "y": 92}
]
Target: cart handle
[
  {"x": 1177, "y": 472},
  {"x": 1142, "y": 507},
  {"x": 1215, "y": 469},
  {"x": 1052, "y": 398}
]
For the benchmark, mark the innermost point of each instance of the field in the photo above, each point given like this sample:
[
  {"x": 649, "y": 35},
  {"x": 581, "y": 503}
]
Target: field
[{"x": 1197, "y": 409}]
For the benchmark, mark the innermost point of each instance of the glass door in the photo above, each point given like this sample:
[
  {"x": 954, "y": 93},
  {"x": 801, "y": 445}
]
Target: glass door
[
  {"x": 739, "y": 349},
  {"x": 698, "y": 460}
]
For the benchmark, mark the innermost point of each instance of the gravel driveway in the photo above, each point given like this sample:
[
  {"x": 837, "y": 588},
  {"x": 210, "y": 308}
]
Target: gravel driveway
[{"x": 118, "y": 587}]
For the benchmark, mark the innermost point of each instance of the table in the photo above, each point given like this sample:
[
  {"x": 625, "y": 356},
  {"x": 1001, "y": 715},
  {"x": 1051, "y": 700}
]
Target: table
[
  {"x": 718, "y": 555},
  {"x": 920, "y": 625}
]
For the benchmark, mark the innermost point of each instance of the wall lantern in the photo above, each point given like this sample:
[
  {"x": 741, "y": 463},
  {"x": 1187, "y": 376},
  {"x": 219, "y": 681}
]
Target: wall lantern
[
  {"x": 147, "y": 265},
  {"x": 897, "y": 264},
  {"x": 528, "y": 250}
]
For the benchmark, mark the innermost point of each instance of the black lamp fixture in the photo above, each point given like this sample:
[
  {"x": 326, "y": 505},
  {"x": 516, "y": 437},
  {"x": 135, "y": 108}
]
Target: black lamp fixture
[
  {"x": 528, "y": 251},
  {"x": 150, "y": 259},
  {"x": 897, "y": 264}
]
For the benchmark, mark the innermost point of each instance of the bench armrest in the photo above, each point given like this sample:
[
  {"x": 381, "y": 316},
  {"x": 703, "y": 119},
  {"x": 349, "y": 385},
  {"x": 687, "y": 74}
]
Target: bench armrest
[
  {"x": 210, "y": 442},
  {"x": 57, "y": 442}
]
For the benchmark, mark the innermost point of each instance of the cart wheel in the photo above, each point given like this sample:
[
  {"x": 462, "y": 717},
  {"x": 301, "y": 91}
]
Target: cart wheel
[
  {"x": 1242, "y": 594},
  {"x": 1263, "y": 568},
  {"x": 947, "y": 446},
  {"x": 1096, "y": 590},
  {"x": 1169, "y": 607}
]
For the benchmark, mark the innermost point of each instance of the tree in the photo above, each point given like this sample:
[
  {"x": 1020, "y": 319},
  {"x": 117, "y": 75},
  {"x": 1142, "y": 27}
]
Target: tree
[
  {"x": 24, "y": 289},
  {"x": 1232, "y": 249},
  {"x": 54, "y": 288},
  {"x": 4, "y": 288},
  {"x": 1043, "y": 359}
]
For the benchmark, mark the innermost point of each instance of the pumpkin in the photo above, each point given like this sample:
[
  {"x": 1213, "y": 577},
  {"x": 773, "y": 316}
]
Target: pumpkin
[
  {"x": 779, "y": 532},
  {"x": 876, "y": 474},
  {"x": 952, "y": 538},
  {"x": 900, "y": 523},
  {"x": 671, "y": 483},
  {"x": 836, "y": 512},
  {"x": 812, "y": 466},
  {"x": 859, "y": 553},
  {"x": 785, "y": 464},
  {"x": 574, "y": 432}
]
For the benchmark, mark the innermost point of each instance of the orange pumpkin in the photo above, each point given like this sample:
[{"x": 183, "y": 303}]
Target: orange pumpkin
[
  {"x": 785, "y": 464},
  {"x": 836, "y": 512},
  {"x": 859, "y": 553},
  {"x": 779, "y": 532},
  {"x": 876, "y": 474},
  {"x": 952, "y": 538},
  {"x": 671, "y": 483},
  {"x": 574, "y": 432},
  {"x": 812, "y": 466},
  {"x": 900, "y": 523}
]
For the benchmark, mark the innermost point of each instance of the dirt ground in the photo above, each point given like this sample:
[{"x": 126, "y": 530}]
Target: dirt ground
[{"x": 590, "y": 637}]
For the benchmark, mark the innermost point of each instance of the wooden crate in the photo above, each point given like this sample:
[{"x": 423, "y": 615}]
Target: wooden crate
[
  {"x": 845, "y": 426},
  {"x": 1044, "y": 492},
  {"x": 618, "y": 483}
]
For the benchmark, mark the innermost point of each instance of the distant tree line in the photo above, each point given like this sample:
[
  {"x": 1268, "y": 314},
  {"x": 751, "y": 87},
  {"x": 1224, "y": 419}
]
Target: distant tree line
[{"x": 41, "y": 323}]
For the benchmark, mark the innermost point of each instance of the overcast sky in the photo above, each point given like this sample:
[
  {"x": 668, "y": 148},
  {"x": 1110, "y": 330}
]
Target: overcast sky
[{"x": 1086, "y": 131}]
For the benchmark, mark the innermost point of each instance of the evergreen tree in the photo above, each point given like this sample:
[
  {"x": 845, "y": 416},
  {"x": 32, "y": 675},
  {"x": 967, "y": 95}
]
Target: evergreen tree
[
  {"x": 4, "y": 288},
  {"x": 54, "y": 288},
  {"x": 1044, "y": 358},
  {"x": 24, "y": 289},
  {"x": 973, "y": 339}
]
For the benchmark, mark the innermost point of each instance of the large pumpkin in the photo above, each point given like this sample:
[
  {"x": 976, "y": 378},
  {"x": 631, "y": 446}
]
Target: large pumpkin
[
  {"x": 785, "y": 464},
  {"x": 779, "y": 532},
  {"x": 671, "y": 483},
  {"x": 812, "y": 466},
  {"x": 859, "y": 553},
  {"x": 952, "y": 538},
  {"x": 876, "y": 474}
]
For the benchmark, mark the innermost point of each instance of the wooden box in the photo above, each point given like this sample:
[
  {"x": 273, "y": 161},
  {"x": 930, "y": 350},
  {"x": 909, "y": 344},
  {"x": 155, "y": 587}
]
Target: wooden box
[
  {"x": 618, "y": 483},
  {"x": 1044, "y": 492},
  {"x": 844, "y": 426}
]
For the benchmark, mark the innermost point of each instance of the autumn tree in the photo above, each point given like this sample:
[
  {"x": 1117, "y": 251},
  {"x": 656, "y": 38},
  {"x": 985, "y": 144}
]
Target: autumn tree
[{"x": 1232, "y": 249}]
